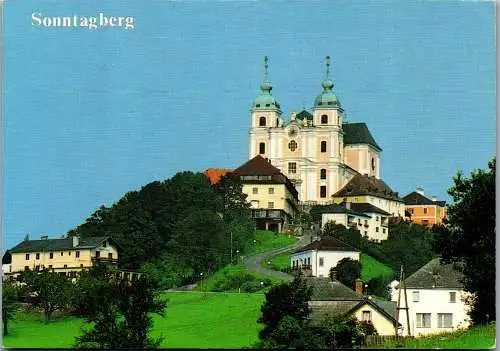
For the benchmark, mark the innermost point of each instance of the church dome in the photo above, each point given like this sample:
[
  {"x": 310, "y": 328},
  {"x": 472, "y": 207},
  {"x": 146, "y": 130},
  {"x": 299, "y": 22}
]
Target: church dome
[
  {"x": 327, "y": 98},
  {"x": 265, "y": 100}
]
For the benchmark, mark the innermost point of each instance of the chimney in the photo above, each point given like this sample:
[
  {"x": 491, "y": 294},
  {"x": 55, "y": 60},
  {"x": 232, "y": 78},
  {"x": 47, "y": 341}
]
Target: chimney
[
  {"x": 420, "y": 190},
  {"x": 434, "y": 198},
  {"x": 358, "y": 286},
  {"x": 76, "y": 241},
  {"x": 348, "y": 205}
]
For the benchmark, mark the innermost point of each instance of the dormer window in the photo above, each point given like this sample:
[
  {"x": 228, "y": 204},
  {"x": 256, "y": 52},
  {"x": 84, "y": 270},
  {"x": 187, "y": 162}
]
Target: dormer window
[
  {"x": 324, "y": 119},
  {"x": 262, "y": 121},
  {"x": 104, "y": 244}
]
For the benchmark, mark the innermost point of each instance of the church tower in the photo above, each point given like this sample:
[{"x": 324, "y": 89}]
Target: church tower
[
  {"x": 265, "y": 116},
  {"x": 327, "y": 117}
]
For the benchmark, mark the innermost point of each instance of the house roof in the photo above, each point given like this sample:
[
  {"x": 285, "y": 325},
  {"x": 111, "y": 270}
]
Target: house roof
[
  {"x": 257, "y": 166},
  {"x": 358, "y": 133},
  {"x": 214, "y": 174},
  {"x": 340, "y": 208},
  {"x": 365, "y": 207},
  {"x": 304, "y": 114},
  {"x": 324, "y": 289},
  {"x": 435, "y": 275},
  {"x": 362, "y": 184},
  {"x": 328, "y": 243},
  {"x": 415, "y": 198},
  {"x": 58, "y": 244},
  {"x": 338, "y": 299}
]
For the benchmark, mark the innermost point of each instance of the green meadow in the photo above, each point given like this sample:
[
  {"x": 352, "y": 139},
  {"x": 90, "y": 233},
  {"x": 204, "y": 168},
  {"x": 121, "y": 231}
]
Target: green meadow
[
  {"x": 192, "y": 320},
  {"x": 478, "y": 337}
]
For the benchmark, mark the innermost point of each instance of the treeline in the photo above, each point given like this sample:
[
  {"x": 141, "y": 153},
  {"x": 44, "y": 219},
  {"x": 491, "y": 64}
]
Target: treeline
[{"x": 176, "y": 228}]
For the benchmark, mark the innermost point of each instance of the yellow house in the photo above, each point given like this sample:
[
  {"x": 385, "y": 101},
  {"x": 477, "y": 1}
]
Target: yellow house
[
  {"x": 66, "y": 256},
  {"x": 331, "y": 298},
  {"x": 272, "y": 196},
  {"x": 363, "y": 188}
]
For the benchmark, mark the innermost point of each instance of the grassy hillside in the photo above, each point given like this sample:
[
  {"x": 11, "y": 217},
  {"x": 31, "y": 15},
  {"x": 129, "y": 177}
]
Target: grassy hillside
[
  {"x": 371, "y": 268},
  {"x": 192, "y": 320},
  {"x": 266, "y": 241},
  {"x": 479, "y": 337},
  {"x": 232, "y": 272}
]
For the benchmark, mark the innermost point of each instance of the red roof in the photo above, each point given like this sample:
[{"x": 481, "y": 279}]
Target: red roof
[{"x": 214, "y": 174}]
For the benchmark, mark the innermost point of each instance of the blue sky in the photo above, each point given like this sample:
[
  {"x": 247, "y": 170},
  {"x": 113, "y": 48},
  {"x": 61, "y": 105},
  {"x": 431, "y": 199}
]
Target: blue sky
[{"x": 90, "y": 115}]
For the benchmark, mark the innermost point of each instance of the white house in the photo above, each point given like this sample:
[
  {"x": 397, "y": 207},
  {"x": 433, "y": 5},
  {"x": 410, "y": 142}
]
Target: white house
[
  {"x": 370, "y": 220},
  {"x": 435, "y": 300},
  {"x": 321, "y": 255}
]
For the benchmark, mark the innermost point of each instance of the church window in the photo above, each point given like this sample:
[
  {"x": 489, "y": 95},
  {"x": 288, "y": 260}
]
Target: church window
[
  {"x": 425, "y": 210},
  {"x": 323, "y": 146},
  {"x": 324, "y": 119},
  {"x": 292, "y": 145},
  {"x": 271, "y": 191},
  {"x": 262, "y": 148},
  {"x": 292, "y": 167},
  {"x": 322, "y": 191},
  {"x": 373, "y": 164},
  {"x": 255, "y": 190},
  {"x": 322, "y": 174},
  {"x": 262, "y": 121}
]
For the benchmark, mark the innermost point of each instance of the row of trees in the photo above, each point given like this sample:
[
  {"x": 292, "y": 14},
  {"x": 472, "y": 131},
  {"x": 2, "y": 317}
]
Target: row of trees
[
  {"x": 118, "y": 310},
  {"x": 176, "y": 228}
]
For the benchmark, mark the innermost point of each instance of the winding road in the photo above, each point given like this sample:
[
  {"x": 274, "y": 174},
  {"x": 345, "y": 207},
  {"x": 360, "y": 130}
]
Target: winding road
[{"x": 252, "y": 263}]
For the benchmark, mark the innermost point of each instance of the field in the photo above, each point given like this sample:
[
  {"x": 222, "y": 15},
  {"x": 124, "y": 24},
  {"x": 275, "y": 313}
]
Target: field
[
  {"x": 192, "y": 320},
  {"x": 479, "y": 337}
]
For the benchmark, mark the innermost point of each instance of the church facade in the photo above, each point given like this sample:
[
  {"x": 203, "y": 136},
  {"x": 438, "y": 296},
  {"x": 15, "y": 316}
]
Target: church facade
[{"x": 318, "y": 151}]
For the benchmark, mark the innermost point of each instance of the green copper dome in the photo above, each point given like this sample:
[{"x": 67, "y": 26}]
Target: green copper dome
[
  {"x": 265, "y": 100},
  {"x": 327, "y": 98}
]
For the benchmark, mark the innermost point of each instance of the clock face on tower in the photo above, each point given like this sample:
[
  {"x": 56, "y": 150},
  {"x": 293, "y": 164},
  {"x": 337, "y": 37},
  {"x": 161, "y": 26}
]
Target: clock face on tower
[{"x": 292, "y": 132}]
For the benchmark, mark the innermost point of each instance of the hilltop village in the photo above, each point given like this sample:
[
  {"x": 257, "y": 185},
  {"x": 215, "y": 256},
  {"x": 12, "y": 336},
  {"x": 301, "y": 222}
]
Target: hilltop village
[{"x": 308, "y": 205}]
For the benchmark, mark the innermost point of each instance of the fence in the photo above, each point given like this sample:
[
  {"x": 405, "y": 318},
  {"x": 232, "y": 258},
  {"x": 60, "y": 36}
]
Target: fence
[{"x": 379, "y": 340}]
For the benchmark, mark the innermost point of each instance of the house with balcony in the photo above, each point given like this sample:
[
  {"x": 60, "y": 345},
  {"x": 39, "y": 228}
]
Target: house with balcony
[
  {"x": 363, "y": 188},
  {"x": 272, "y": 196},
  {"x": 435, "y": 297},
  {"x": 317, "y": 258},
  {"x": 424, "y": 211},
  {"x": 66, "y": 256},
  {"x": 370, "y": 220}
]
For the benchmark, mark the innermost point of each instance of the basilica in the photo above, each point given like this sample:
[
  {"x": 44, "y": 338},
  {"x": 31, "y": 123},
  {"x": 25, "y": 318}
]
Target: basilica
[{"x": 318, "y": 151}]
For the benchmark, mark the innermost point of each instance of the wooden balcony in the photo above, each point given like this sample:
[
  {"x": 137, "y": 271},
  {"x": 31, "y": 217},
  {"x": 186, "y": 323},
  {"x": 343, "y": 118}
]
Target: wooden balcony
[{"x": 105, "y": 260}]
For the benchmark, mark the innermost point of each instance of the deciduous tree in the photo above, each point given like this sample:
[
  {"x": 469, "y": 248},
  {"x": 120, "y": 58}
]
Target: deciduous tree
[
  {"x": 469, "y": 238},
  {"x": 47, "y": 290},
  {"x": 10, "y": 303}
]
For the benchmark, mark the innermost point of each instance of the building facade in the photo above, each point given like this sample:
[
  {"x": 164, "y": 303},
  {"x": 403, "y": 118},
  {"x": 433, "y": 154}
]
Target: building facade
[
  {"x": 424, "y": 211},
  {"x": 66, "y": 256},
  {"x": 316, "y": 150},
  {"x": 273, "y": 198},
  {"x": 371, "y": 221},
  {"x": 317, "y": 258},
  {"x": 435, "y": 297},
  {"x": 371, "y": 190}
]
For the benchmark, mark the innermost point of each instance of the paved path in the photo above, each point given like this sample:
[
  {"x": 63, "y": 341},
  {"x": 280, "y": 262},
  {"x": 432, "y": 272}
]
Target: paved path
[{"x": 252, "y": 263}]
